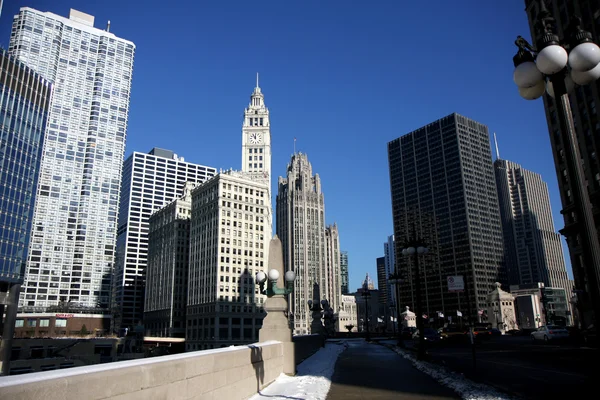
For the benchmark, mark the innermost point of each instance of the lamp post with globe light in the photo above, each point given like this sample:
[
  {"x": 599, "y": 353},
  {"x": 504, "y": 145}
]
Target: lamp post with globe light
[
  {"x": 415, "y": 248},
  {"x": 556, "y": 66},
  {"x": 272, "y": 289}
]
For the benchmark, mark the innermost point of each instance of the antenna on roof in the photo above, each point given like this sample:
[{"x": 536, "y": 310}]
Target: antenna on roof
[
  {"x": 108, "y": 26},
  {"x": 497, "y": 151}
]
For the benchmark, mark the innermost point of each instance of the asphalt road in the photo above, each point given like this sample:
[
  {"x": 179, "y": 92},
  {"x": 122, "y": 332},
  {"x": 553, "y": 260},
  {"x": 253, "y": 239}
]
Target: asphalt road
[{"x": 517, "y": 366}]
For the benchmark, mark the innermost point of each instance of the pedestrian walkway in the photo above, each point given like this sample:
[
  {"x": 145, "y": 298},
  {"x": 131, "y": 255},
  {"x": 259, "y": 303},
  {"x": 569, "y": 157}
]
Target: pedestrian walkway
[{"x": 374, "y": 372}]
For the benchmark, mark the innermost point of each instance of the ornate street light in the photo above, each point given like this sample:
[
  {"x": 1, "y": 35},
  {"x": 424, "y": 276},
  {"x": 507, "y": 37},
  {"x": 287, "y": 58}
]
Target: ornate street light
[
  {"x": 556, "y": 66},
  {"x": 272, "y": 289},
  {"x": 396, "y": 280},
  {"x": 415, "y": 248},
  {"x": 316, "y": 326}
]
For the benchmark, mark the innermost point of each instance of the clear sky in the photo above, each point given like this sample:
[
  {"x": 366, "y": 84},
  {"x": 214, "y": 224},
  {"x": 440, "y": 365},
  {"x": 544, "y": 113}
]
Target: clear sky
[{"x": 343, "y": 77}]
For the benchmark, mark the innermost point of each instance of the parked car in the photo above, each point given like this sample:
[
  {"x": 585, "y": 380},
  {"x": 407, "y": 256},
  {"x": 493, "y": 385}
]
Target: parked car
[
  {"x": 451, "y": 333},
  {"x": 430, "y": 334},
  {"x": 407, "y": 333},
  {"x": 495, "y": 332},
  {"x": 480, "y": 333},
  {"x": 547, "y": 333}
]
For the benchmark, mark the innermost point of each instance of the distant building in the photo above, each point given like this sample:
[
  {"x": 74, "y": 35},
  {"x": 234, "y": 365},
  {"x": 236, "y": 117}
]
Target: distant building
[
  {"x": 344, "y": 272},
  {"x": 167, "y": 267},
  {"x": 389, "y": 251},
  {"x": 443, "y": 190},
  {"x": 347, "y": 314},
  {"x": 305, "y": 241},
  {"x": 150, "y": 181},
  {"x": 550, "y": 305},
  {"x": 382, "y": 282},
  {"x": 533, "y": 251}
]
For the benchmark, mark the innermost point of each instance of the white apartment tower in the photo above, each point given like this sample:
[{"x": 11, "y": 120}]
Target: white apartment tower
[
  {"x": 150, "y": 181},
  {"x": 72, "y": 249},
  {"x": 230, "y": 233},
  {"x": 309, "y": 247}
]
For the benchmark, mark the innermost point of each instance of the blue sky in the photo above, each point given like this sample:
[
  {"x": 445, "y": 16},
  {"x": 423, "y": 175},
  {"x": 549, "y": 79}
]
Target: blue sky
[{"x": 343, "y": 77}]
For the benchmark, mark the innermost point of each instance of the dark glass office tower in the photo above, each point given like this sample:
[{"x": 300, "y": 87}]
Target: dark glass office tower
[
  {"x": 584, "y": 103},
  {"x": 443, "y": 189},
  {"x": 24, "y": 98}
]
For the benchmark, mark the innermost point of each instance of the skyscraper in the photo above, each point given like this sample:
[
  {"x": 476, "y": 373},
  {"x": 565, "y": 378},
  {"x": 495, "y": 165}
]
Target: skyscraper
[
  {"x": 382, "y": 282},
  {"x": 150, "y": 181},
  {"x": 230, "y": 232},
  {"x": 389, "y": 254},
  {"x": 443, "y": 189},
  {"x": 344, "y": 272},
  {"x": 24, "y": 102},
  {"x": 584, "y": 101},
  {"x": 167, "y": 267},
  {"x": 75, "y": 213},
  {"x": 533, "y": 252},
  {"x": 301, "y": 227}
]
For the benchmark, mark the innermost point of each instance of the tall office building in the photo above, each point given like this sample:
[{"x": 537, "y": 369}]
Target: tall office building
[
  {"x": 584, "y": 102},
  {"x": 75, "y": 213},
  {"x": 167, "y": 267},
  {"x": 301, "y": 227},
  {"x": 443, "y": 189},
  {"x": 333, "y": 265},
  {"x": 24, "y": 102},
  {"x": 389, "y": 249},
  {"x": 382, "y": 281},
  {"x": 344, "y": 272},
  {"x": 150, "y": 181},
  {"x": 533, "y": 252},
  {"x": 230, "y": 233}
]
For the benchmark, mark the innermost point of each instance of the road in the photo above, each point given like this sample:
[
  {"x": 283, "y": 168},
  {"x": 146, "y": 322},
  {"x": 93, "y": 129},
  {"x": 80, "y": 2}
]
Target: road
[{"x": 517, "y": 366}]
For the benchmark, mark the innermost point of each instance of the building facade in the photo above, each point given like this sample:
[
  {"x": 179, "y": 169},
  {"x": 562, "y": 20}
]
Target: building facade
[
  {"x": 444, "y": 192},
  {"x": 533, "y": 252},
  {"x": 75, "y": 212},
  {"x": 584, "y": 102},
  {"x": 347, "y": 320},
  {"x": 150, "y": 181},
  {"x": 167, "y": 267},
  {"x": 389, "y": 254},
  {"x": 382, "y": 282},
  {"x": 304, "y": 237},
  {"x": 24, "y": 103},
  {"x": 344, "y": 272},
  {"x": 230, "y": 232}
]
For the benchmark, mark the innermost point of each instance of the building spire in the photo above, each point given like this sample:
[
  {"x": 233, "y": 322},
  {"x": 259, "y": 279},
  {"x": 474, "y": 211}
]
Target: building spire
[
  {"x": 496, "y": 143},
  {"x": 257, "y": 79}
]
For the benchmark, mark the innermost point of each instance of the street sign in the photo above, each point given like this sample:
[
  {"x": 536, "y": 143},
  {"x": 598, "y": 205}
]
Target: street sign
[{"x": 456, "y": 283}]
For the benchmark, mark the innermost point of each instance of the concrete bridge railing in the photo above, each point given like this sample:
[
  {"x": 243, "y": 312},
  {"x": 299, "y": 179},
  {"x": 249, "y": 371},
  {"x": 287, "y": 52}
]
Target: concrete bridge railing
[{"x": 227, "y": 373}]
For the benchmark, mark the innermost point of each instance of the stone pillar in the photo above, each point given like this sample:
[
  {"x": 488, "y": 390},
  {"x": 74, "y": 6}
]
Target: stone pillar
[{"x": 275, "y": 325}]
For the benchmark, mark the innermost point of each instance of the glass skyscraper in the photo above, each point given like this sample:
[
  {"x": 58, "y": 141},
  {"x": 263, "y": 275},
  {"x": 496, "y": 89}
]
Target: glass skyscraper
[
  {"x": 72, "y": 248},
  {"x": 24, "y": 99}
]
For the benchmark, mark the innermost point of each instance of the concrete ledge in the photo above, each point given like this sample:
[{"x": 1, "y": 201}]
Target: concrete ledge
[{"x": 227, "y": 373}]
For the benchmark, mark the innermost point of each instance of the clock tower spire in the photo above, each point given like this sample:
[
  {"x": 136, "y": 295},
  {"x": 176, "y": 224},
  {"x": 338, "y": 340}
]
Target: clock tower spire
[{"x": 256, "y": 138}]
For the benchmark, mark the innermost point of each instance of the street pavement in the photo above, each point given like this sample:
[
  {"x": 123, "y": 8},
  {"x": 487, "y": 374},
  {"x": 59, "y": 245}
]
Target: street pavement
[
  {"x": 373, "y": 372},
  {"x": 517, "y": 366}
]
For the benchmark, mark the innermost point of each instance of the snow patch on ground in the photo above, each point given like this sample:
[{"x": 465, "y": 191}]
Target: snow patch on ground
[
  {"x": 466, "y": 388},
  {"x": 313, "y": 378}
]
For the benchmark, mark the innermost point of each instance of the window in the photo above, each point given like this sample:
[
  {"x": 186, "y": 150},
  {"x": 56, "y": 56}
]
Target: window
[
  {"x": 44, "y": 322},
  {"x": 31, "y": 323},
  {"x": 60, "y": 323},
  {"x": 19, "y": 323}
]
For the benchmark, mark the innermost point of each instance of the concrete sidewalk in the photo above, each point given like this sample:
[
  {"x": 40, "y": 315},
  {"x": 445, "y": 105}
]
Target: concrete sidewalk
[{"x": 374, "y": 372}]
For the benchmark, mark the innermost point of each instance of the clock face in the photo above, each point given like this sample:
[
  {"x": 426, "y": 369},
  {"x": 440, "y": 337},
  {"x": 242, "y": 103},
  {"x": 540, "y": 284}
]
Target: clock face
[{"x": 255, "y": 137}]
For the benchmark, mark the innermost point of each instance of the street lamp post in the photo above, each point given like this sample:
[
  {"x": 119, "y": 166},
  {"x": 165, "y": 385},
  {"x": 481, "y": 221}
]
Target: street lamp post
[
  {"x": 550, "y": 68},
  {"x": 316, "y": 326},
  {"x": 395, "y": 280},
  {"x": 366, "y": 294},
  {"x": 416, "y": 247}
]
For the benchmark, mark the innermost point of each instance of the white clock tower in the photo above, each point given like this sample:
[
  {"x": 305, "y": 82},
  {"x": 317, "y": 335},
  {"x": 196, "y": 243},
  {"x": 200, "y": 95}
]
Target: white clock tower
[{"x": 256, "y": 139}]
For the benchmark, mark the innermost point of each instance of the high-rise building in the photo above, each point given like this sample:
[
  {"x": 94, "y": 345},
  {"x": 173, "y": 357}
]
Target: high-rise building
[
  {"x": 333, "y": 265},
  {"x": 584, "y": 101},
  {"x": 150, "y": 181},
  {"x": 389, "y": 259},
  {"x": 24, "y": 102},
  {"x": 444, "y": 192},
  {"x": 75, "y": 213},
  {"x": 344, "y": 272},
  {"x": 301, "y": 227},
  {"x": 533, "y": 252},
  {"x": 167, "y": 267},
  {"x": 230, "y": 232}
]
